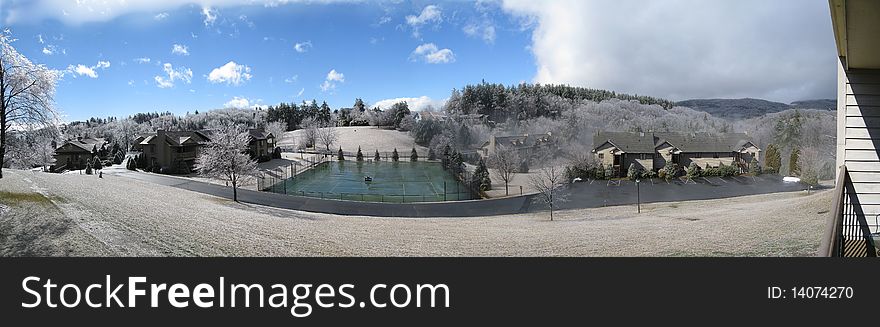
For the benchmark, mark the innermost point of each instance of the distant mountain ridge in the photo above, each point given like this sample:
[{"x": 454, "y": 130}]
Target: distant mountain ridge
[{"x": 750, "y": 108}]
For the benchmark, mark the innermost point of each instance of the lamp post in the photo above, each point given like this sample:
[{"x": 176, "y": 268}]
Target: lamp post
[{"x": 638, "y": 197}]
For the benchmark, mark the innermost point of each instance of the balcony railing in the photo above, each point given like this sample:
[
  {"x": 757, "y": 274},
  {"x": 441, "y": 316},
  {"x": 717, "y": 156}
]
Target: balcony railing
[{"x": 847, "y": 233}]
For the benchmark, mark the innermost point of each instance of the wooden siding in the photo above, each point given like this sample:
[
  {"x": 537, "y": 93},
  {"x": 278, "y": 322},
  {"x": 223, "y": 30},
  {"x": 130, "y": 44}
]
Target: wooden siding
[{"x": 859, "y": 124}]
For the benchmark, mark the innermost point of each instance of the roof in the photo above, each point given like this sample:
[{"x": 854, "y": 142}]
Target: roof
[
  {"x": 520, "y": 141},
  {"x": 259, "y": 134},
  {"x": 86, "y": 144},
  {"x": 856, "y": 28},
  {"x": 627, "y": 142},
  {"x": 178, "y": 138},
  {"x": 684, "y": 142}
]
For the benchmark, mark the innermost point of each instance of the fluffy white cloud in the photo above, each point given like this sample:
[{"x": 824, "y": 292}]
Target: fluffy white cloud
[
  {"x": 161, "y": 16},
  {"x": 429, "y": 14},
  {"x": 83, "y": 70},
  {"x": 173, "y": 74},
  {"x": 780, "y": 50},
  {"x": 303, "y": 47},
  {"x": 417, "y": 104},
  {"x": 238, "y": 103},
  {"x": 48, "y": 50},
  {"x": 180, "y": 49},
  {"x": 231, "y": 73},
  {"x": 330, "y": 81},
  {"x": 429, "y": 53}
]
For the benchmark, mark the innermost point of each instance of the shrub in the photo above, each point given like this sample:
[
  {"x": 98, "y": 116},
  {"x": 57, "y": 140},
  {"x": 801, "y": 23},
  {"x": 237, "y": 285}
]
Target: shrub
[
  {"x": 662, "y": 174},
  {"x": 96, "y": 163},
  {"x": 276, "y": 153},
  {"x": 600, "y": 172},
  {"x": 414, "y": 156},
  {"x": 88, "y": 169},
  {"x": 394, "y": 156},
  {"x": 669, "y": 171},
  {"x": 360, "y": 155},
  {"x": 754, "y": 168},
  {"x": 431, "y": 154},
  {"x": 693, "y": 170},
  {"x": 376, "y": 157}
]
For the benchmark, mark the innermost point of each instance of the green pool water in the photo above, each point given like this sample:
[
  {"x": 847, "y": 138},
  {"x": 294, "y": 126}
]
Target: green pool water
[{"x": 400, "y": 182}]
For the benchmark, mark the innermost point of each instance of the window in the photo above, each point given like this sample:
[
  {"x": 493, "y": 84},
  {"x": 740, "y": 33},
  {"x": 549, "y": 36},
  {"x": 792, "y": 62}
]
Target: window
[
  {"x": 601, "y": 156},
  {"x": 646, "y": 156}
]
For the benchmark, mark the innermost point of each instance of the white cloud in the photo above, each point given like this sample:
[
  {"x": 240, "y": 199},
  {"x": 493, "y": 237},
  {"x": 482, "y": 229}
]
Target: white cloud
[
  {"x": 210, "y": 16},
  {"x": 429, "y": 14},
  {"x": 485, "y": 31},
  {"x": 231, "y": 73},
  {"x": 417, "y": 104},
  {"x": 83, "y": 70},
  {"x": 238, "y": 103},
  {"x": 291, "y": 79},
  {"x": 179, "y": 74},
  {"x": 143, "y": 60},
  {"x": 330, "y": 81},
  {"x": 48, "y": 50},
  {"x": 303, "y": 47},
  {"x": 161, "y": 16},
  {"x": 180, "y": 49},
  {"x": 335, "y": 76},
  {"x": 40, "y": 38},
  {"x": 429, "y": 53},
  {"x": 131, "y": 82},
  {"x": 300, "y": 93},
  {"x": 685, "y": 49}
]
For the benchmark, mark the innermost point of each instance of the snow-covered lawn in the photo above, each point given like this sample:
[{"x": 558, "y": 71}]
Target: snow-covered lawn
[
  {"x": 55, "y": 214},
  {"x": 369, "y": 138}
]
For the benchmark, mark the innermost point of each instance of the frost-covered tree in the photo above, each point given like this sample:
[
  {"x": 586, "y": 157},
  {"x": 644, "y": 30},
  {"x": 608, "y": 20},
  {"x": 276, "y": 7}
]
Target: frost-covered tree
[
  {"x": 547, "y": 182},
  {"x": 27, "y": 93},
  {"x": 505, "y": 161},
  {"x": 225, "y": 157},
  {"x": 327, "y": 136}
]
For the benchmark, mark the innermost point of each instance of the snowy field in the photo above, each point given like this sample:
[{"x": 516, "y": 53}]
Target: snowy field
[
  {"x": 369, "y": 138},
  {"x": 81, "y": 215}
]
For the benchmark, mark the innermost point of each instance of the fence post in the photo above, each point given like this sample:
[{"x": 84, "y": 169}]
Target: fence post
[{"x": 444, "y": 191}]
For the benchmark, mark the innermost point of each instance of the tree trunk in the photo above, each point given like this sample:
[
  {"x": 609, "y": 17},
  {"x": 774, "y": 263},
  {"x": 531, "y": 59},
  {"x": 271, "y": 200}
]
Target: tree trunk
[
  {"x": 551, "y": 211},
  {"x": 2, "y": 136},
  {"x": 234, "y": 191},
  {"x": 506, "y": 189}
]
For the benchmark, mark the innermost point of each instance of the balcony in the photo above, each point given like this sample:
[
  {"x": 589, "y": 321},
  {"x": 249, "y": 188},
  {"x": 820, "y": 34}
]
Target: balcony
[{"x": 848, "y": 232}]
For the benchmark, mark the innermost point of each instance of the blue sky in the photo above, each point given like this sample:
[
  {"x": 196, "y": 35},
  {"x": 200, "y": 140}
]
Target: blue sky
[{"x": 216, "y": 53}]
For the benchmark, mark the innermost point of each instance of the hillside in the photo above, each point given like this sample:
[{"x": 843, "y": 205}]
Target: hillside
[{"x": 751, "y": 108}]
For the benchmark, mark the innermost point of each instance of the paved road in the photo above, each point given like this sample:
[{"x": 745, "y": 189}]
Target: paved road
[{"x": 590, "y": 194}]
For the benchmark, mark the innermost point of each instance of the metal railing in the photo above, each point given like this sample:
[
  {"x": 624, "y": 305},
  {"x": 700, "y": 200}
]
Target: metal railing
[{"x": 847, "y": 233}]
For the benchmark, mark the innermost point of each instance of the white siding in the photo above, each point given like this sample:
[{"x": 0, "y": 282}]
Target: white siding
[{"x": 859, "y": 131}]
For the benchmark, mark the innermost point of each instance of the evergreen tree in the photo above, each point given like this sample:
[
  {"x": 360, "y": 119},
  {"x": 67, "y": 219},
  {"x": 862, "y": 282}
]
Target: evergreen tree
[
  {"x": 446, "y": 157},
  {"x": 480, "y": 178},
  {"x": 456, "y": 162},
  {"x": 394, "y": 156},
  {"x": 600, "y": 172},
  {"x": 414, "y": 156},
  {"x": 360, "y": 155},
  {"x": 340, "y": 155},
  {"x": 376, "y": 157},
  {"x": 431, "y": 154},
  {"x": 772, "y": 159},
  {"x": 96, "y": 163},
  {"x": 794, "y": 167}
]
